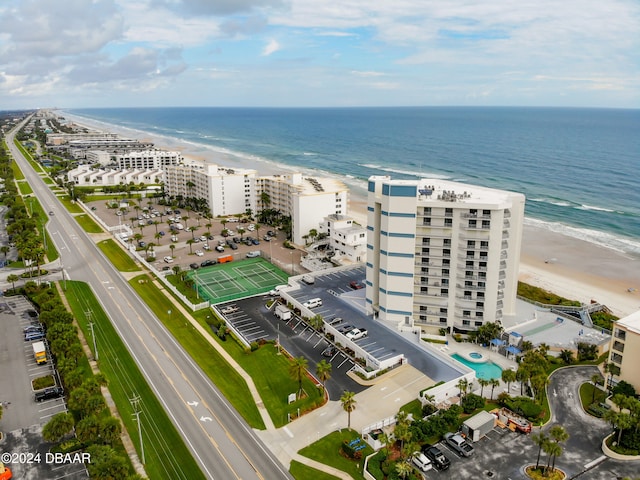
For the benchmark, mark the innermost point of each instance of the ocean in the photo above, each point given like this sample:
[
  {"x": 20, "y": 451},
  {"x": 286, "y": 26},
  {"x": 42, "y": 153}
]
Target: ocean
[{"x": 579, "y": 168}]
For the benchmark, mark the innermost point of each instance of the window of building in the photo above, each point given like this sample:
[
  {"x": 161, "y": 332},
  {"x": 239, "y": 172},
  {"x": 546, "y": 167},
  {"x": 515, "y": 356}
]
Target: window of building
[
  {"x": 423, "y": 318},
  {"x": 473, "y": 212},
  {"x": 424, "y": 290},
  {"x": 448, "y": 222},
  {"x": 466, "y": 322},
  {"x": 426, "y": 221},
  {"x": 423, "y": 308},
  {"x": 479, "y": 304},
  {"x": 446, "y": 252},
  {"x": 486, "y": 213},
  {"x": 471, "y": 243},
  {"x": 445, "y": 282},
  {"x": 472, "y": 224},
  {"x": 445, "y": 272},
  {"x": 469, "y": 263},
  {"x": 426, "y": 241},
  {"x": 478, "y": 324},
  {"x": 448, "y": 212},
  {"x": 446, "y": 262},
  {"x": 446, "y": 242},
  {"x": 443, "y": 320},
  {"x": 480, "y": 295},
  {"x": 486, "y": 224},
  {"x": 444, "y": 291},
  {"x": 443, "y": 310},
  {"x": 425, "y": 251},
  {"x": 467, "y": 294}
]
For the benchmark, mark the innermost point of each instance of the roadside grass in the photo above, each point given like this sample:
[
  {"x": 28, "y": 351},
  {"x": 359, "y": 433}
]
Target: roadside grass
[
  {"x": 25, "y": 188},
  {"x": 300, "y": 471},
  {"x": 166, "y": 455},
  {"x": 327, "y": 451},
  {"x": 33, "y": 205},
  {"x": 117, "y": 256},
  {"x": 48, "y": 181},
  {"x": 88, "y": 224},
  {"x": 230, "y": 383},
  {"x": 35, "y": 165},
  {"x": 17, "y": 173},
  {"x": 70, "y": 205}
]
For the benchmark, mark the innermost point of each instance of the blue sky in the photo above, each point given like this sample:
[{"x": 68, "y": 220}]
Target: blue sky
[{"x": 100, "y": 53}]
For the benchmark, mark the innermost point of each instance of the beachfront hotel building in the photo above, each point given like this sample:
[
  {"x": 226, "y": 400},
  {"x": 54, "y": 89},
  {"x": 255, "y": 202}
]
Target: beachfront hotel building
[
  {"x": 228, "y": 191},
  {"x": 345, "y": 238},
  {"x": 148, "y": 159},
  {"x": 306, "y": 199},
  {"x": 86, "y": 175},
  {"x": 624, "y": 351},
  {"x": 441, "y": 254}
]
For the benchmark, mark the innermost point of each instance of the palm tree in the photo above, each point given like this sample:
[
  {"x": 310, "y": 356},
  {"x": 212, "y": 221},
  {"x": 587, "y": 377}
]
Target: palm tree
[
  {"x": 297, "y": 371},
  {"x": 558, "y": 434},
  {"x": 403, "y": 469},
  {"x": 348, "y": 402},
  {"x": 463, "y": 386},
  {"x": 323, "y": 371},
  {"x": 566, "y": 356},
  {"x": 483, "y": 383},
  {"x": 595, "y": 379},
  {"x": 494, "y": 382},
  {"x": 508, "y": 376},
  {"x": 13, "y": 278},
  {"x": 5, "y": 249},
  {"x": 208, "y": 227},
  {"x": 540, "y": 439},
  {"x": 552, "y": 449},
  {"x": 190, "y": 242},
  {"x": 401, "y": 430},
  {"x": 172, "y": 247},
  {"x": 158, "y": 237}
]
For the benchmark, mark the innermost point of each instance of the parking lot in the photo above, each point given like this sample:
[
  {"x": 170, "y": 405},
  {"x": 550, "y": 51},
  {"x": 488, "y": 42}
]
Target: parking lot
[
  {"x": 252, "y": 319},
  {"x": 23, "y": 417}
]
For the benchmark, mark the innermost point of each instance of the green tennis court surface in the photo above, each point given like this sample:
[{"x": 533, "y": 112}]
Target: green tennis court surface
[{"x": 232, "y": 280}]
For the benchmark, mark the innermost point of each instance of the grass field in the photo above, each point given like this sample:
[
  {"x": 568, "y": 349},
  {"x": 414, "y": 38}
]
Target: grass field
[
  {"x": 165, "y": 452},
  {"x": 25, "y": 188},
  {"x": 230, "y": 383},
  {"x": 71, "y": 207},
  {"x": 117, "y": 256},
  {"x": 237, "y": 279},
  {"x": 327, "y": 451},
  {"x": 300, "y": 471},
  {"x": 88, "y": 224}
]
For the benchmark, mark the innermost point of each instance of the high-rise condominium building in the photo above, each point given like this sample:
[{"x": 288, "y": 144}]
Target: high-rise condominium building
[{"x": 441, "y": 253}]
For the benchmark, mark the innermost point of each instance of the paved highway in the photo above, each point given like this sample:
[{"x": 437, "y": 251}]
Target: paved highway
[{"x": 220, "y": 440}]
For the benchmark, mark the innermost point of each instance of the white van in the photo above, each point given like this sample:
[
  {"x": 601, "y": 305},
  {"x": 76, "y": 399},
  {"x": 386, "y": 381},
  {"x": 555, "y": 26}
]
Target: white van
[
  {"x": 313, "y": 303},
  {"x": 308, "y": 279}
]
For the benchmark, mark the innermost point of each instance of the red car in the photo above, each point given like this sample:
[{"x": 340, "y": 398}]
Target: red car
[{"x": 356, "y": 285}]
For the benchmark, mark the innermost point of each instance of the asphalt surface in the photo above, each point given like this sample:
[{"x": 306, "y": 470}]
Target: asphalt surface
[{"x": 220, "y": 440}]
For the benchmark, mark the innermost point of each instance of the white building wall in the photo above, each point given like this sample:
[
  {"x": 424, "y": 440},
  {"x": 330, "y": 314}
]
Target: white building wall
[{"x": 446, "y": 256}]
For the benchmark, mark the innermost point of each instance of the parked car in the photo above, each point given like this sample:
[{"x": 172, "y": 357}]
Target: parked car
[
  {"x": 142, "y": 244},
  {"x": 230, "y": 309},
  {"x": 356, "y": 334},
  {"x": 194, "y": 266},
  {"x": 203, "y": 238},
  {"x": 161, "y": 233},
  {"x": 208, "y": 263},
  {"x": 330, "y": 351},
  {"x": 356, "y": 285},
  {"x": 233, "y": 246},
  {"x": 459, "y": 444},
  {"x": 206, "y": 247},
  {"x": 313, "y": 303},
  {"x": 256, "y": 241},
  {"x": 220, "y": 248},
  {"x": 438, "y": 459},
  {"x": 421, "y": 461},
  {"x": 266, "y": 238},
  {"x": 48, "y": 394},
  {"x": 254, "y": 254},
  {"x": 168, "y": 259},
  {"x": 345, "y": 328},
  {"x": 199, "y": 253}
]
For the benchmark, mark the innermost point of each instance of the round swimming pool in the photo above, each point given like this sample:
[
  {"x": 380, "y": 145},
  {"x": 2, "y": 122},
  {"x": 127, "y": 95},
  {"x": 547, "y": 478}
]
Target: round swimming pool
[
  {"x": 475, "y": 355},
  {"x": 485, "y": 370}
]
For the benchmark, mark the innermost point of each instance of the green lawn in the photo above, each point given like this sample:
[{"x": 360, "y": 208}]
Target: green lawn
[
  {"x": 88, "y": 224},
  {"x": 587, "y": 394},
  {"x": 166, "y": 454},
  {"x": 230, "y": 383},
  {"x": 72, "y": 207},
  {"x": 25, "y": 188},
  {"x": 117, "y": 256},
  {"x": 300, "y": 471},
  {"x": 327, "y": 451}
]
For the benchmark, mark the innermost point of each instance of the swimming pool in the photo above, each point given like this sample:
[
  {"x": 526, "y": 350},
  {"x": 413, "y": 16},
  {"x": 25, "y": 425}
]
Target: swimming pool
[{"x": 487, "y": 370}]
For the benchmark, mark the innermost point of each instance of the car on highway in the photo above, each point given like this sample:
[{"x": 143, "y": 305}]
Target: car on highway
[
  {"x": 458, "y": 443},
  {"x": 51, "y": 212},
  {"x": 438, "y": 459}
]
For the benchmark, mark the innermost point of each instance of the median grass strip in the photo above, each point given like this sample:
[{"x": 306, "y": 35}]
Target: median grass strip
[
  {"x": 88, "y": 224},
  {"x": 166, "y": 455},
  {"x": 70, "y": 205},
  {"x": 327, "y": 451},
  {"x": 230, "y": 383},
  {"x": 117, "y": 256}
]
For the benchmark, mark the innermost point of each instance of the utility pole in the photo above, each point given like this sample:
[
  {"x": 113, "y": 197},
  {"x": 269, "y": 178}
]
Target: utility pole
[
  {"x": 135, "y": 403},
  {"x": 88, "y": 314}
]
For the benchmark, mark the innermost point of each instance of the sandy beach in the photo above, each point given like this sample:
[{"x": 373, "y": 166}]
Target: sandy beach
[{"x": 565, "y": 265}]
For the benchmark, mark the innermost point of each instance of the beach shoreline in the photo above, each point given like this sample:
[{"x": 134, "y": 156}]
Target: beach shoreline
[{"x": 565, "y": 265}]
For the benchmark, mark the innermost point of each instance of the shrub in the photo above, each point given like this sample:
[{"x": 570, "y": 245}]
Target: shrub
[
  {"x": 624, "y": 388},
  {"x": 374, "y": 466},
  {"x": 254, "y": 346},
  {"x": 471, "y": 402},
  {"x": 524, "y": 406},
  {"x": 587, "y": 351},
  {"x": 350, "y": 451}
]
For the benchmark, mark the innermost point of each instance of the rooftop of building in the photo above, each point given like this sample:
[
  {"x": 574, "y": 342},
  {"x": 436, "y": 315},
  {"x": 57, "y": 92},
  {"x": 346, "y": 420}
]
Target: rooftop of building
[{"x": 631, "y": 322}]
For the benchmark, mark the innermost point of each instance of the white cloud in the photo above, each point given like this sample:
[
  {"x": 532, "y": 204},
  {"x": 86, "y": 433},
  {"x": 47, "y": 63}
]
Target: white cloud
[{"x": 271, "y": 47}]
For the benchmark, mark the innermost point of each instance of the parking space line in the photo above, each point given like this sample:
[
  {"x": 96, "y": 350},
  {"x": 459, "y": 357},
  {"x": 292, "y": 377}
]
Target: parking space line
[
  {"x": 310, "y": 336},
  {"x": 321, "y": 339},
  {"x": 241, "y": 322},
  {"x": 257, "y": 327},
  {"x": 345, "y": 360}
]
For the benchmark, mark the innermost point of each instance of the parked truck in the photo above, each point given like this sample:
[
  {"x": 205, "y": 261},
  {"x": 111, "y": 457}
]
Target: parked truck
[
  {"x": 282, "y": 312},
  {"x": 39, "y": 352}
]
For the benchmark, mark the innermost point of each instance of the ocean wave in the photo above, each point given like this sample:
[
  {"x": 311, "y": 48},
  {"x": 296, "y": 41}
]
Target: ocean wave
[
  {"x": 405, "y": 172},
  {"x": 617, "y": 243},
  {"x": 557, "y": 203},
  {"x": 597, "y": 209}
]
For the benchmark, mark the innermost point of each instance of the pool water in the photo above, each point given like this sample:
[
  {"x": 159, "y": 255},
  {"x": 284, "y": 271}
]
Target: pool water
[
  {"x": 486, "y": 370},
  {"x": 475, "y": 355}
]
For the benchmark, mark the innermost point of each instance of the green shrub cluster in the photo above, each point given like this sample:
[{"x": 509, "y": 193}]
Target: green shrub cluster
[
  {"x": 522, "y": 406},
  {"x": 374, "y": 465},
  {"x": 350, "y": 451},
  {"x": 543, "y": 296}
]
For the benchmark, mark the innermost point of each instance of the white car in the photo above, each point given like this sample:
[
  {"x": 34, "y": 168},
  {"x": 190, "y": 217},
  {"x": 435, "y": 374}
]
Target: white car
[
  {"x": 203, "y": 238},
  {"x": 356, "y": 334},
  {"x": 206, "y": 246},
  {"x": 168, "y": 259},
  {"x": 199, "y": 253}
]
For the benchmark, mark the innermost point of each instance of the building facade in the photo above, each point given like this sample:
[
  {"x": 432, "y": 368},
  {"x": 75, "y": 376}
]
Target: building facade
[
  {"x": 624, "y": 351},
  {"x": 148, "y": 159},
  {"x": 306, "y": 199},
  {"x": 85, "y": 175},
  {"x": 346, "y": 238},
  {"x": 442, "y": 254},
  {"x": 228, "y": 191}
]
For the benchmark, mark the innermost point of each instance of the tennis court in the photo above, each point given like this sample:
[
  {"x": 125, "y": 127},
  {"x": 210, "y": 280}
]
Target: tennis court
[{"x": 233, "y": 280}]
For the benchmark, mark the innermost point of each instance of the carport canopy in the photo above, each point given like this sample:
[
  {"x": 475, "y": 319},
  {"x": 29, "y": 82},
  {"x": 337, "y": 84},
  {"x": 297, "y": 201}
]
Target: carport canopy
[
  {"x": 497, "y": 342},
  {"x": 513, "y": 350}
]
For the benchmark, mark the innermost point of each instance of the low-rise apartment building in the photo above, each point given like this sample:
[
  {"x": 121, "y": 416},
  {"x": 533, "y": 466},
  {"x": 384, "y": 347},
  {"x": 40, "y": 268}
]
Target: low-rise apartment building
[
  {"x": 624, "y": 351},
  {"x": 346, "y": 238}
]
